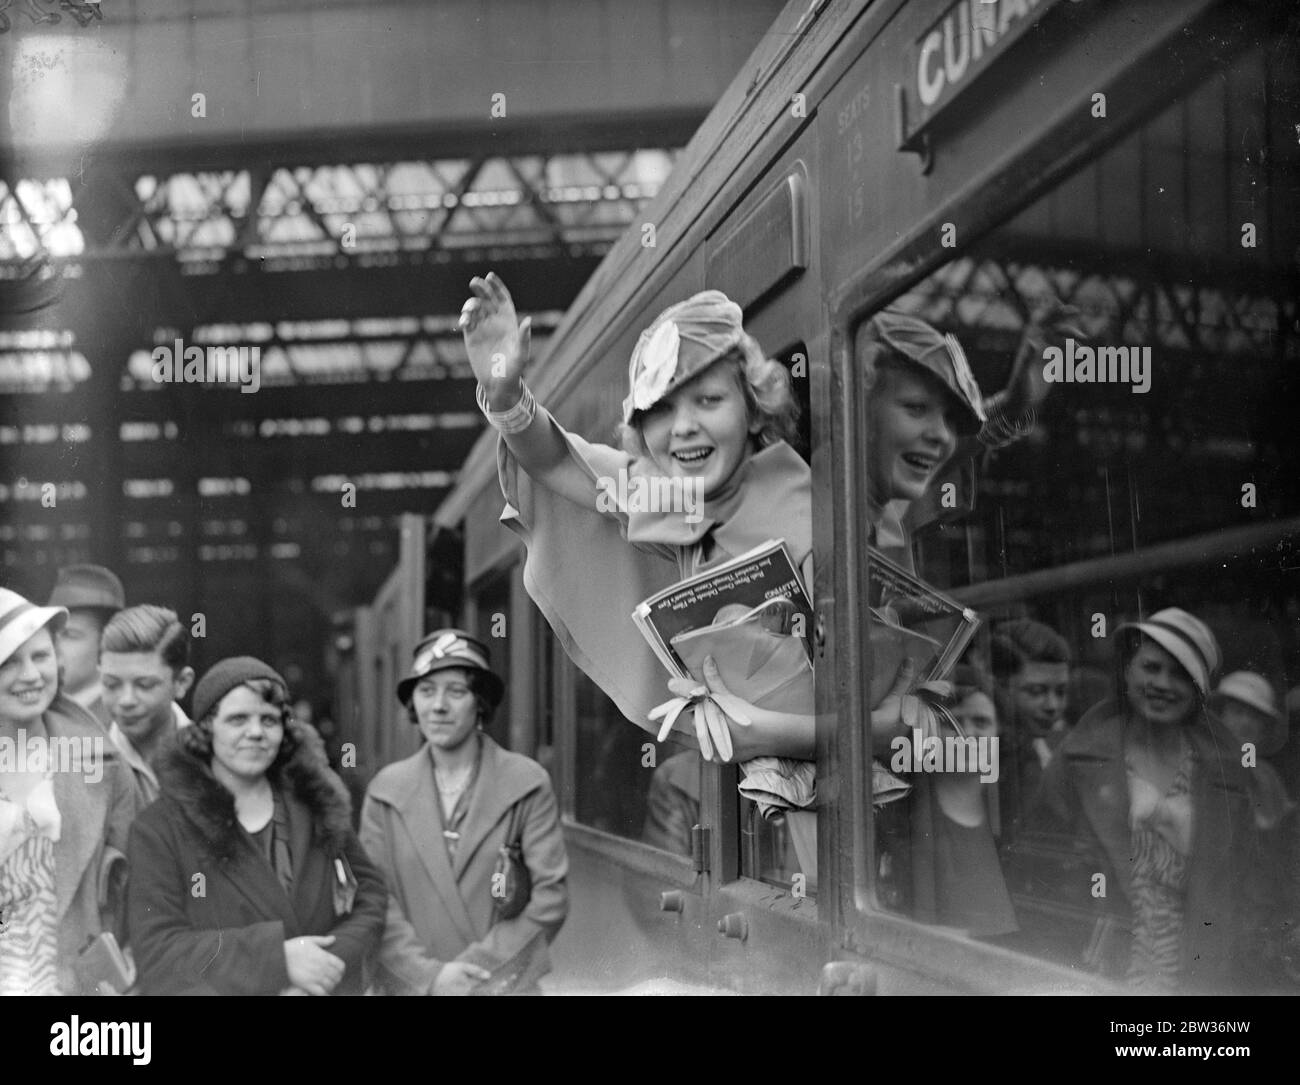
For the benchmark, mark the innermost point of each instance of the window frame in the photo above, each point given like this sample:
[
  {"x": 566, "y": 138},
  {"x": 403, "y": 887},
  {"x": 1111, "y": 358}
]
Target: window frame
[{"x": 996, "y": 184}]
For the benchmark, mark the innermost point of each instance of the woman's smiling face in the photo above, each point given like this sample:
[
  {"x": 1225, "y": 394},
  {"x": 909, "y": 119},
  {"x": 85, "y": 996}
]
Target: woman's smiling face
[
  {"x": 912, "y": 434},
  {"x": 1157, "y": 687},
  {"x": 702, "y": 430},
  {"x": 29, "y": 679},
  {"x": 445, "y": 708}
]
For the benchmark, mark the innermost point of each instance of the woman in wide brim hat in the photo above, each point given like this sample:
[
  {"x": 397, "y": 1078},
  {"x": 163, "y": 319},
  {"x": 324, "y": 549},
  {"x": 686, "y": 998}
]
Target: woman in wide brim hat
[
  {"x": 63, "y": 823},
  {"x": 443, "y": 825},
  {"x": 1155, "y": 784},
  {"x": 246, "y": 875}
]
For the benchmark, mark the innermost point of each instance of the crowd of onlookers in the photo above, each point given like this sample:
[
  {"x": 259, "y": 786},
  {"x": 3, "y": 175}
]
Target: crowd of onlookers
[
  {"x": 1153, "y": 797},
  {"x": 218, "y": 853}
]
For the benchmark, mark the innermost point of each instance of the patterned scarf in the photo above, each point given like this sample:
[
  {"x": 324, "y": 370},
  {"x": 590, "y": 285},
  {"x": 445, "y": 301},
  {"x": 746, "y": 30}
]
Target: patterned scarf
[{"x": 29, "y": 949}]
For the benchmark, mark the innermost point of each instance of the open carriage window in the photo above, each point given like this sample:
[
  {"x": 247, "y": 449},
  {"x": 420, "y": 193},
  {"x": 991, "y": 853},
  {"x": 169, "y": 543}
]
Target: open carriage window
[
  {"x": 1130, "y": 550},
  {"x": 625, "y": 782},
  {"x": 776, "y": 846}
]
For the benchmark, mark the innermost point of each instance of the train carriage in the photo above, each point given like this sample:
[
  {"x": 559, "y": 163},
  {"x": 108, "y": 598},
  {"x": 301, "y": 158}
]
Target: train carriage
[{"x": 954, "y": 160}]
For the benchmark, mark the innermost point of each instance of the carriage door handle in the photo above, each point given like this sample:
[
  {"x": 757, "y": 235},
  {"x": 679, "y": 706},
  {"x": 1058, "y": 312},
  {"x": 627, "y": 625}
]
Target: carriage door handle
[{"x": 734, "y": 925}]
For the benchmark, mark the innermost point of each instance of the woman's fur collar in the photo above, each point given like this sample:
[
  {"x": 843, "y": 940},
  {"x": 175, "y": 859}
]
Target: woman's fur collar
[{"x": 307, "y": 776}]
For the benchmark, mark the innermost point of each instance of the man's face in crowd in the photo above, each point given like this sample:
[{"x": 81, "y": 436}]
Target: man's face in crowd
[
  {"x": 78, "y": 648},
  {"x": 1039, "y": 694}
]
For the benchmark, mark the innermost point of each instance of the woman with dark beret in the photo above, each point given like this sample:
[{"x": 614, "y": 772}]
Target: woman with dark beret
[{"x": 246, "y": 876}]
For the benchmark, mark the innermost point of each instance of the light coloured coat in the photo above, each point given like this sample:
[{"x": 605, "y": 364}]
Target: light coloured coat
[
  {"x": 90, "y": 854},
  {"x": 441, "y": 909}
]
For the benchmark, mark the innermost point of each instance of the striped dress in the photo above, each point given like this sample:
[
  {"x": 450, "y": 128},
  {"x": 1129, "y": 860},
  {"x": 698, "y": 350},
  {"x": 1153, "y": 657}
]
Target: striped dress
[
  {"x": 29, "y": 946},
  {"x": 1161, "y": 838}
]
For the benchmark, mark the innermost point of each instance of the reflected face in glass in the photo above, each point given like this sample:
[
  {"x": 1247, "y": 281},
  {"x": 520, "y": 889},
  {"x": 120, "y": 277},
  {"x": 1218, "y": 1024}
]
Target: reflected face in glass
[
  {"x": 246, "y": 735},
  {"x": 1157, "y": 687},
  {"x": 1039, "y": 692},
  {"x": 29, "y": 679},
  {"x": 139, "y": 689},
  {"x": 702, "y": 430},
  {"x": 977, "y": 715},
  {"x": 1245, "y": 723},
  {"x": 78, "y": 648},
  {"x": 445, "y": 708},
  {"x": 912, "y": 433}
]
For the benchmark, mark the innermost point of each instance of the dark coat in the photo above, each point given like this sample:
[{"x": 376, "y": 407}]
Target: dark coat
[
  {"x": 229, "y": 938},
  {"x": 1085, "y": 792},
  {"x": 439, "y": 909}
]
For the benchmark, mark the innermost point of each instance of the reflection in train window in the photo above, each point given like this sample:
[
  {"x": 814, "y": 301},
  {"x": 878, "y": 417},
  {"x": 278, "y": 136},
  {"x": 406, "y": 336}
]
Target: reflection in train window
[
  {"x": 1133, "y": 559},
  {"x": 627, "y": 784}
]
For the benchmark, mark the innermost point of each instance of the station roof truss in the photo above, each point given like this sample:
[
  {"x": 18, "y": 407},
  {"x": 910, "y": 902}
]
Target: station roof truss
[{"x": 345, "y": 277}]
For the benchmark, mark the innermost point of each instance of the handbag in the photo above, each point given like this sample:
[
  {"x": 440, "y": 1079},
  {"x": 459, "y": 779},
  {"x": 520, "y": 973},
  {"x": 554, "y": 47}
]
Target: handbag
[{"x": 512, "y": 884}]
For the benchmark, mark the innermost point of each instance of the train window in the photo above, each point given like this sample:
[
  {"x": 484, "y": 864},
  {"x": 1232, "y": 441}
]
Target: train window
[
  {"x": 625, "y": 782},
  {"x": 1131, "y": 554}
]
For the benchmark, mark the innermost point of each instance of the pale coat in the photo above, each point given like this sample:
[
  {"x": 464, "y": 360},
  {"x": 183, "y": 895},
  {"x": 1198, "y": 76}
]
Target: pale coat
[
  {"x": 440, "y": 910},
  {"x": 95, "y": 820}
]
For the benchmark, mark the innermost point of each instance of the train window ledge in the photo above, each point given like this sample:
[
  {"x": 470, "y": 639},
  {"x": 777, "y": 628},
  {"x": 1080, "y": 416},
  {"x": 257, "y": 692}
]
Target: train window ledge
[
  {"x": 676, "y": 870},
  {"x": 967, "y": 965},
  {"x": 750, "y": 895}
]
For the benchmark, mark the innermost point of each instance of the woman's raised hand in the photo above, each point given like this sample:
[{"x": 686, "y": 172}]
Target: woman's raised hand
[
  {"x": 497, "y": 343},
  {"x": 1050, "y": 324},
  {"x": 311, "y": 967}
]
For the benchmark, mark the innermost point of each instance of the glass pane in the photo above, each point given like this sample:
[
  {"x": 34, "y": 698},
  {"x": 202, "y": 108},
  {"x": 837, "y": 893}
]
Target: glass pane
[
  {"x": 625, "y": 782},
  {"x": 1131, "y": 553}
]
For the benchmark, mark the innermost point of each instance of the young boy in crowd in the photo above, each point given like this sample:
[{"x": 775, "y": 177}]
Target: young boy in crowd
[{"x": 145, "y": 671}]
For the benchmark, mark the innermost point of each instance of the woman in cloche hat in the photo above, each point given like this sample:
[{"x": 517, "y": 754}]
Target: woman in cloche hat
[
  {"x": 1155, "y": 783},
  {"x": 467, "y": 835},
  {"x": 246, "y": 875},
  {"x": 63, "y": 824}
]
